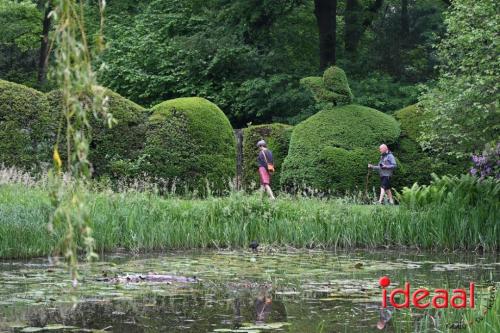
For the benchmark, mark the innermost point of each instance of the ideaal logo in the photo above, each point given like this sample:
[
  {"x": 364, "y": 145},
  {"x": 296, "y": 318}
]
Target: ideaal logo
[{"x": 422, "y": 298}]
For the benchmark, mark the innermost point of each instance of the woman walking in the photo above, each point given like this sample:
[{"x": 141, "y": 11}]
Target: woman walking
[{"x": 266, "y": 166}]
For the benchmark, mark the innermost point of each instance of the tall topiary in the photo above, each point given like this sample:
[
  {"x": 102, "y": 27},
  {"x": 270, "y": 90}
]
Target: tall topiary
[
  {"x": 190, "y": 140},
  {"x": 333, "y": 88},
  {"x": 26, "y": 131},
  {"x": 330, "y": 150},
  {"x": 113, "y": 151},
  {"x": 416, "y": 166},
  {"x": 277, "y": 137}
]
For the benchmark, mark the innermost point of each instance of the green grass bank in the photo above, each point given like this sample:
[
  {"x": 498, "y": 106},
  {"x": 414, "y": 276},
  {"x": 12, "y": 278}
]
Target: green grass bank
[{"x": 147, "y": 222}]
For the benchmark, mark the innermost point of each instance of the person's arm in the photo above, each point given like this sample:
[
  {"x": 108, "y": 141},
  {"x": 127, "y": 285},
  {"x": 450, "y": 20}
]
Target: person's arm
[{"x": 374, "y": 167}]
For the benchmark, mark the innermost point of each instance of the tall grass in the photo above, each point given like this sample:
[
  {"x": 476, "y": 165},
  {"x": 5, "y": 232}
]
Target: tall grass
[{"x": 145, "y": 221}]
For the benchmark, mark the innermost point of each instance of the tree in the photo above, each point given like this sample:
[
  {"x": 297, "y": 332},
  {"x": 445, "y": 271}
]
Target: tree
[
  {"x": 464, "y": 102},
  {"x": 19, "y": 36},
  {"x": 326, "y": 18},
  {"x": 357, "y": 19},
  {"x": 43, "y": 61}
]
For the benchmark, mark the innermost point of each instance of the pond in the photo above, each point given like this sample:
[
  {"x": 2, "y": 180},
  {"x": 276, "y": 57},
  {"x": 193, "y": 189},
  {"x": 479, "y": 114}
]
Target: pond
[{"x": 240, "y": 291}]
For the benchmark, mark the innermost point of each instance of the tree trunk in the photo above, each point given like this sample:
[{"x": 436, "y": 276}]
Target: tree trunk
[
  {"x": 353, "y": 19},
  {"x": 44, "y": 48},
  {"x": 405, "y": 20},
  {"x": 326, "y": 18}
]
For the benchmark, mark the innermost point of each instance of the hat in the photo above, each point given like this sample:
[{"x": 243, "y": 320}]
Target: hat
[{"x": 261, "y": 143}]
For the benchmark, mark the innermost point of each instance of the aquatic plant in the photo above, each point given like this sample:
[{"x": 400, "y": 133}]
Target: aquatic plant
[{"x": 145, "y": 221}]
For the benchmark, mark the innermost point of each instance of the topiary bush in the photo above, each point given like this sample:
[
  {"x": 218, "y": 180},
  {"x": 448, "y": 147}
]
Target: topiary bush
[
  {"x": 26, "y": 130},
  {"x": 113, "y": 151},
  {"x": 329, "y": 151},
  {"x": 416, "y": 166},
  {"x": 332, "y": 88},
  {"x": 191, "y": 140},
  {"x": 277, "y": 137}
]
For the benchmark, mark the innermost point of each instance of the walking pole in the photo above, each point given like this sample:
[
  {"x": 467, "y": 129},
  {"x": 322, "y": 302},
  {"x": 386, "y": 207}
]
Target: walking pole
[{"x": 366, "y": 184}]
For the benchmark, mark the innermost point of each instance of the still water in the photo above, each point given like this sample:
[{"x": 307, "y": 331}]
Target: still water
[{"x": 267, "y": 291}]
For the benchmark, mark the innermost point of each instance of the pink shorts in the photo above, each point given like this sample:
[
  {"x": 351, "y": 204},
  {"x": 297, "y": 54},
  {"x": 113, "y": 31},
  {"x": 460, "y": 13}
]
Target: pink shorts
[{"x": 265, "y": 178}]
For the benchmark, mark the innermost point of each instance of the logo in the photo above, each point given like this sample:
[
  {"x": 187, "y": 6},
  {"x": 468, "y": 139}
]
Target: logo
[{"x": 422, "y": 298}]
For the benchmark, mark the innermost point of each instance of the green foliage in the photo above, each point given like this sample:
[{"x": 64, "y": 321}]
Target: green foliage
[
  {"x": 471, "y": 202},
  {"x": 190, "y": 141},
  {"x": 20, "y": 29},
  {"x": 277, "y": 137},
  {"x": 26, "y": 132},
  {"x": 331, "y": 88},
  {"x": 464, "y": 102},
  {"x": 274, "y": 98},
  {"x": 382, "y": 92},
  {"x": 211, "y": 49},
  {"x": 326, "y": 150},
  {"x": 113, "y": 151},
  {"x": 144, "y": 221},
  {"x": 416, "y": 165}
]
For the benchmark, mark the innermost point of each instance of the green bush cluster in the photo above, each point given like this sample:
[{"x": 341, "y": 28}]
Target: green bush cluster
[
  {"x": 332, "y": 88},
  {"x": 186, "y": 139},
  {"x": 329, "y": 151},
  {"x": 191, "y": 141},
  {"x": 113, "y": 151},
  {"x": 26, "y": 131},
  {"x": 277, "y": 137},
  {"x": 416, "y": 166}
]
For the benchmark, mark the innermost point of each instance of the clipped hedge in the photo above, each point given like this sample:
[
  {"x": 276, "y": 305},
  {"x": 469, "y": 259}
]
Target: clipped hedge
[
  {"x": 329, "y": 151},
  {"x": 26, "y": 130},
  {"x": 277, "y": 137},
  {"x": 113, "y": 151},
  {"x": 416, "y": 166},
  {"x": 190, "y": 140},
  {"x": 332, "y": 88}
]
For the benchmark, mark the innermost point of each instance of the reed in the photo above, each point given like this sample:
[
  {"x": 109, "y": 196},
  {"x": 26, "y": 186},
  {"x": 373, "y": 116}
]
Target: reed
[{"x": 145, "y": 221}]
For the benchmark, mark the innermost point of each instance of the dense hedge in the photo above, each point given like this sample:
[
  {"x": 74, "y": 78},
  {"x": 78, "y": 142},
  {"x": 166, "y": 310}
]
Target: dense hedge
[
  {"x": 330, "y": 150},
  {"x": 113, "y": 151},
  {"x": 331, "y": 88},
  {"x": 416, "y": 166},
  {"x": 191, "y": 140},
  {"x": 277, "y": 137},
  {"x": 25, "y": 127}
]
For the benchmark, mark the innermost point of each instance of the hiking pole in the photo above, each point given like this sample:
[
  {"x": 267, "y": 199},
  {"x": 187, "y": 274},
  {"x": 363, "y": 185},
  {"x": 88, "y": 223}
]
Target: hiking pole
[{"x": 366, "y": 184}]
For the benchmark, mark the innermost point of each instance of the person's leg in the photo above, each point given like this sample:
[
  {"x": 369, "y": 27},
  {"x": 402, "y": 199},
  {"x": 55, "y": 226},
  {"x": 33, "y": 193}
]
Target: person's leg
[
  {"x": 382, "y": 192},
  {"x": 269, "y": 191},
  {"x": 389, "y": 195}
]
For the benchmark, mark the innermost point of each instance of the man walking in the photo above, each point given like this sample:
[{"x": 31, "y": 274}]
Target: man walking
[{"x": 385, "y": 167}]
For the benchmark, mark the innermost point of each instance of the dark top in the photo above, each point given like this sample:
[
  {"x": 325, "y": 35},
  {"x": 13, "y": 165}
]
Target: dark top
[{"x": 261, "y": 160}]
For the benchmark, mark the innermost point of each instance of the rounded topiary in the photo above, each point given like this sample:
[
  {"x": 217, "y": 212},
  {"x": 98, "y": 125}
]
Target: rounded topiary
[
  {"x": 190, "y": 140},
  {"x": 330, "y": 150},
  {"x": 417, "y": 165},
  {"x": 277, "y": 137},
  {"x": 113, "y": 151},
  {"x": 335, "y": 80},
  {"x": 333, "y": 88},
  {"x": 26, "y": 131}
]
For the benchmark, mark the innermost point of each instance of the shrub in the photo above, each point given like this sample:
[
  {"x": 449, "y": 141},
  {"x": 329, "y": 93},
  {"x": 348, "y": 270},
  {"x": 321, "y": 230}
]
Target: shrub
[
  {"x": 191, "y": 140},
  {"x": 330, "y": 150},
  {"x": 25, "y": 127},
  {"x": 113, "y": 151},
  {"x": 277, "y": 137},
  {"x": 332, "y": 88},
  {"x": 416, "y": 165},
  {"x": 487, "y": 164}
]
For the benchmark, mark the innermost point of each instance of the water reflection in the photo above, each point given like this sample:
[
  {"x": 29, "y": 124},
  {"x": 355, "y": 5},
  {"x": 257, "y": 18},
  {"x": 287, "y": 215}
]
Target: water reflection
[{"x": 278, "y": 292}]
